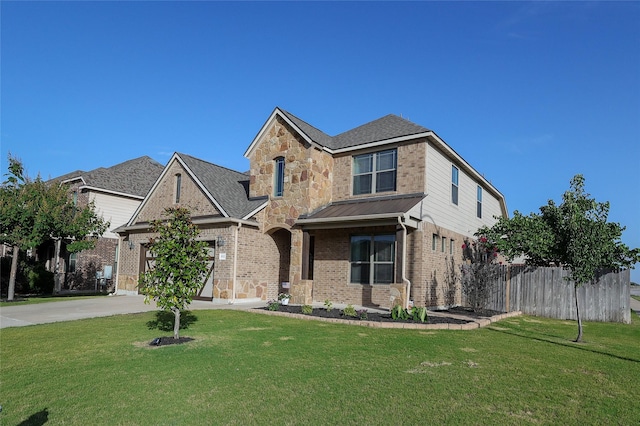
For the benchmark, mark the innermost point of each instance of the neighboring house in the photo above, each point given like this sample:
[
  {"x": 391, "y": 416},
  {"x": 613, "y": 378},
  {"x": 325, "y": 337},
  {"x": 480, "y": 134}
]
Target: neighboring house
[
  {"x": 374, "y": 216},
  {"x": 117, "y": 192}
]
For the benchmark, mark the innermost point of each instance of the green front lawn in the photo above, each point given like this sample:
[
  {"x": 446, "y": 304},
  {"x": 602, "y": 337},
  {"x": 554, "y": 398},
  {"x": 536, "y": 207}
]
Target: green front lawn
[{"x": 244, "y": 368}]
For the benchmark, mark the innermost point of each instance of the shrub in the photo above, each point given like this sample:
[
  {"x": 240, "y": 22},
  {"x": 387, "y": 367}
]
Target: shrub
[
  {"x": 328, "y": 305},
  {"x": 399, "y": 313},
  {"x": 349, "y": 311},
  {"x": 419, "y": 313},
  {"x": 40, "y": 280},
  {"x": 362, "y": 314},
  {"x": 307, "y": 309},
  {"x": 273, "y": 305}
]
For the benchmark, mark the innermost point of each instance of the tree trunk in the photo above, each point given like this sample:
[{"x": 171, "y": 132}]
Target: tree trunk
[
  {"x": 13, "y": 273},
  {"x": 56, "y": 277},
  {"x": 176, "y": 324},
  {"x": 579, "y": 338}
]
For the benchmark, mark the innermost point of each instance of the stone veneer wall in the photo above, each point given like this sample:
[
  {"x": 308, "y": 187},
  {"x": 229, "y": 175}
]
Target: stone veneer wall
[{"x": 307, "y": 178}]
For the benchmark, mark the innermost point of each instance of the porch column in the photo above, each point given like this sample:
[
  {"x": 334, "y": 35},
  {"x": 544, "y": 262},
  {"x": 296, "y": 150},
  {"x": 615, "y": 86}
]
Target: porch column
[
  {"x": 300, "y": 286},
  {"x": 306, "y": 243}
]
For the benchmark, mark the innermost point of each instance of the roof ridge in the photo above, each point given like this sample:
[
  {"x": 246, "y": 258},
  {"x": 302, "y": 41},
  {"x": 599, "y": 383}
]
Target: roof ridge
[{"x": 181, "y": 154}]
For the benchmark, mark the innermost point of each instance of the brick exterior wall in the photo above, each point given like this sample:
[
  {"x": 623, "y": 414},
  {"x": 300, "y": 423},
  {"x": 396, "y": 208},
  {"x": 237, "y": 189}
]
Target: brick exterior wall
[
  {"x": 410, "y": 174},
  {"x": 191, "y": 196}
]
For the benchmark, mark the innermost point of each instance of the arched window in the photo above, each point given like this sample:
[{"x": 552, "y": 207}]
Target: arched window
[{"x": 278, "y": 177}]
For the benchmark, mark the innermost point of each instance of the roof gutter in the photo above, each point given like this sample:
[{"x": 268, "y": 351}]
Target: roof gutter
[
  {"x": 209, "y": 221},
  {"x": 336, "y": 221}
]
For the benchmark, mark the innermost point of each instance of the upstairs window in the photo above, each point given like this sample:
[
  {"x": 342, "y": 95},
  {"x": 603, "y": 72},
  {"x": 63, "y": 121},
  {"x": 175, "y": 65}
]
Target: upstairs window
[
  {"x": 454, "y": 185},
  {"x": 375, "y": 172},
  {"x": 372, "y": 259},
  {"x": 479, "y": 202},
  {"x": 178, "y": 187},
  {"x": 278, "y": 177}
]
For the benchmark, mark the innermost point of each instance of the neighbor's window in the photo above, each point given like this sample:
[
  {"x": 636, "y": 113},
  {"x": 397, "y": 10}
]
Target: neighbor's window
[
  {"x": 434, "y": 242},
  {"x": 454, "y": 185},
  {"x": 278, "y": 184},
  {"x": 443, "y": 245},
  {"x": 75, "y": 198},
  {"x": 375, "y": 172},
  {"x": 71, "y": 265},
  {"x": 372, "y": 258},
  {"x": 479, "y": 203},
  {"x": 450, "y": 246},
  {"x": 178, "y": 187}
]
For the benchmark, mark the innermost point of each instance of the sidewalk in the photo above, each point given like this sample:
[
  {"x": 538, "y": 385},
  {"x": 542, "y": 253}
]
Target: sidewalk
[{"x": 69, "y": 310}]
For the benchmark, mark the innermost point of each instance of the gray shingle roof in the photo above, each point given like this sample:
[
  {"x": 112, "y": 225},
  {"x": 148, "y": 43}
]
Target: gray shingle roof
[
  {"x": 134, "y": 177},
  {"x": 388, "y": 127},
  {"x": 228, "y": 187}
]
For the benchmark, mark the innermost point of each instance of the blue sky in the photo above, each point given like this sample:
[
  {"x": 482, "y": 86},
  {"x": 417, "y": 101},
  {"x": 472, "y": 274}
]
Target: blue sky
[{"x": 530, "y": 94}]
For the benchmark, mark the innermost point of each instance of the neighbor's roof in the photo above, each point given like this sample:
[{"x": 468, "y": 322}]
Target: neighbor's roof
[
  {"x": 133, "y": 177},
  {"x": 229, "y": 188}
]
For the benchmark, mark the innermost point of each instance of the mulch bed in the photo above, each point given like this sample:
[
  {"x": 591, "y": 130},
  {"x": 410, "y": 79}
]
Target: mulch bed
[
  {"x": 380, "y": 317},
  {"x": 165, "y": 341}
]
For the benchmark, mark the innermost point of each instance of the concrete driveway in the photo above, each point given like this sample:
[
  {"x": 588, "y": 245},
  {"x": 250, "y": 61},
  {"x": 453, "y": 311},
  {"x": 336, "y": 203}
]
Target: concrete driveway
[{"x": 69, "y": 310}]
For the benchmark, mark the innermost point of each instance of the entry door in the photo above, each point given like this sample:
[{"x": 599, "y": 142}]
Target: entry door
[{"x": 206, "y": 291}]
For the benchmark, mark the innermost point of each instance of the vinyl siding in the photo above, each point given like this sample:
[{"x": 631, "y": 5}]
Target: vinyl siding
[
  {"x": 438, "y": 208},
  {"x": 115, "y": 209}
]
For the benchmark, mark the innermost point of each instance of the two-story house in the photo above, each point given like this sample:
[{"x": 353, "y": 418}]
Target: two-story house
[
  {"x": 116, "y": 192},
  {"x": 374, "y": 216}
]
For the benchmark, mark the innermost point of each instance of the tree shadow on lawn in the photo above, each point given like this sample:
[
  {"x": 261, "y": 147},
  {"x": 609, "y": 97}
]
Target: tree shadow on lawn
[
  {"x": 572, "y": 345},
  {"x": 164, "y": 320},
  {"x": 37, "y": 419}
]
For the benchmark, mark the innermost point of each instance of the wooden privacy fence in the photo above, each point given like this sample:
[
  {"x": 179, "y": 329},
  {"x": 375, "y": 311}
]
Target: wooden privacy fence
[{"x": 545, "y": 292}]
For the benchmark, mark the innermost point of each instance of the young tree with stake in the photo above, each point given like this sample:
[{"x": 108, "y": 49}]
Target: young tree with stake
[{"x": 180, "y": 264}]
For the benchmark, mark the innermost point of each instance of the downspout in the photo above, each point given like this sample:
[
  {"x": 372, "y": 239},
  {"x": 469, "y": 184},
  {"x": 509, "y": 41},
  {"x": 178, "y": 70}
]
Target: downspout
[
  {"x": 404, "y": 261},
  {"x": 235, "y": 262}
]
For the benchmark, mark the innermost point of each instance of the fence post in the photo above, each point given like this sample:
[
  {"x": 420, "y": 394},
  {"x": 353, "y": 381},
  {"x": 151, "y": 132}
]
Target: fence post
[{"x": 508, "y": 295}]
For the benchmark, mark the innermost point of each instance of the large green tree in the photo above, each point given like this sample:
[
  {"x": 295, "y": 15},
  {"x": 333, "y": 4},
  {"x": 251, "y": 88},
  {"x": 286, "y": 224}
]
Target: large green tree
[
  {"x": 575, "y": 235},
  {"x": 180, "y": 264},
  {"x": 33, "y": 211}
]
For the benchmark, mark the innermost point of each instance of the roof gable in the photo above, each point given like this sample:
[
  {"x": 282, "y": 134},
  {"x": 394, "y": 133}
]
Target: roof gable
[
  {"x": 387, "y": 129},
  {"x": 227, "y": 190}
]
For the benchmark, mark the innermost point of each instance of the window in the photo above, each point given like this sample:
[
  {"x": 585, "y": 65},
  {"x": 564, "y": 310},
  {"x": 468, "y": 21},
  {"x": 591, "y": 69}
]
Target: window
[
  {"x": 443, "y": 246},
  {"x": 434, "y": 242},
  {"x": 450, "y": 246},
  {"x": 479, "y": 202},
  {"x": 71, "y": 265},
  {"x": 75, "y": 198},
  {"x": 454, "y": 185},
  {"x": 372, "y": 259},
  {"x": 375, "y": 172},
  {"x": 278, "y": 184},
  {"x": 178, "y": 187}
]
